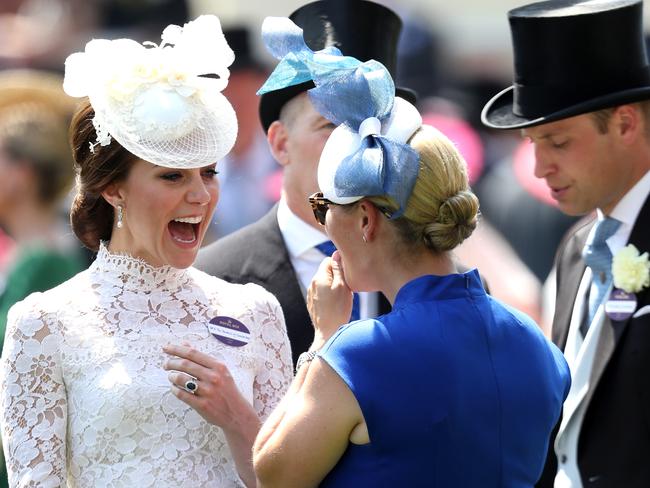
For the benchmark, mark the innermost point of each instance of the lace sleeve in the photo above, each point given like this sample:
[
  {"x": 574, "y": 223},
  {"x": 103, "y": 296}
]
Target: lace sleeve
[
  {"x": 275, "y": 370},
  {"x": 33, "y": 398}
]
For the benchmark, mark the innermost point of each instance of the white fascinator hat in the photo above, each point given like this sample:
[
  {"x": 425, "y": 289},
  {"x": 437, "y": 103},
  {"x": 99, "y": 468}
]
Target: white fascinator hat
[{"x": 163, "y": 103}]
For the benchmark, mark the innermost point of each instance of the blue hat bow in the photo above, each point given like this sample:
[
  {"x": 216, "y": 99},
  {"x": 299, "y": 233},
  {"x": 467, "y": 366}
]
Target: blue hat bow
[{"x": 367, "y": 154}]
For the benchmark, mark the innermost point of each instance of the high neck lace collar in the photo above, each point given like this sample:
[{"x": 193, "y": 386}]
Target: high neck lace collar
[{"x": 135, "y": 274}]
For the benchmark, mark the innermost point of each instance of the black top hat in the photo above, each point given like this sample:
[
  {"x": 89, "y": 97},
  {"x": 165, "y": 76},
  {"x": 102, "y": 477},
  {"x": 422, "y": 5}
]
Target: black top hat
[
  {"x": 362, "y": 29},
  {"x": 238, "y": 38},
  {"x": 572, "y": 57}
]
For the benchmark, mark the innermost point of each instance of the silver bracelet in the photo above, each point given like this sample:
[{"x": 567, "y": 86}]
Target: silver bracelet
[{"x": 304, "y": 358}]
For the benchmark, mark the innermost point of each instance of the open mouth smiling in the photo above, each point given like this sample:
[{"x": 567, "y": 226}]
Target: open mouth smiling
[{"x": 185, "y": 229}]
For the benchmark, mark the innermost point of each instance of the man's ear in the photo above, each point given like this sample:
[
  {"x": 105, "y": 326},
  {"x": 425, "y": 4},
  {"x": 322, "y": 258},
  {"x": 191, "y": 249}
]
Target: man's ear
[
  {"x": 628, "y": 122},
  {"x": 278, "y": 138}
]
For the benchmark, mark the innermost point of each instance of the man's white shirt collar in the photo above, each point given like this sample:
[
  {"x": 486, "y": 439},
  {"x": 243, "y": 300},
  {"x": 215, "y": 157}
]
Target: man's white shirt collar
[
  {"x": 299, "y": 236},
  {"x": 627, "y": 211}
]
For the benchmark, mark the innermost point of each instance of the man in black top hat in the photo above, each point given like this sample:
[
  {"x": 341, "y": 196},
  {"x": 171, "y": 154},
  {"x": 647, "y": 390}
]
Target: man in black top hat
[
  {"x": 279, "y": 252},
  {"x": 580, "y": 94}
]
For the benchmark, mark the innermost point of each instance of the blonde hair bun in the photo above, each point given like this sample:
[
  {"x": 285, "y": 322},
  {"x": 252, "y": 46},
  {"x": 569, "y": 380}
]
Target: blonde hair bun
[
  {"x": 442, "y": 211},
  {"x": 456, "y": 220}
]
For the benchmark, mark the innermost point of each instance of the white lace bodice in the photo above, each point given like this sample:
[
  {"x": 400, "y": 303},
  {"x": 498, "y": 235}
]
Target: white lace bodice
[{"x": 85, "y": 401}]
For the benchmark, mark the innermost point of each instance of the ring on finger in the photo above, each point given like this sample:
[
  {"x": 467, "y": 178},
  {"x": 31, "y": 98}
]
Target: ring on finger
[{"x": 191, "y": 386}]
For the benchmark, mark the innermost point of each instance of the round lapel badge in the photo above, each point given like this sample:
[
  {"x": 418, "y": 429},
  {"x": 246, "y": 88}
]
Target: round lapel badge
[
  {"x": 620, "y": 305},
  {"x": 230, "y": 331}
]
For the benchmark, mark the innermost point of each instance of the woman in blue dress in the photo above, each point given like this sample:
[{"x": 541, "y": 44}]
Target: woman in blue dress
[{"x": 452, "y": 388}]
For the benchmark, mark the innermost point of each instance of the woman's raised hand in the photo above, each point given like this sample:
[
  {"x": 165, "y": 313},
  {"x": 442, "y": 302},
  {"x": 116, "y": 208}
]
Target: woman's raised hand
[{"x": 329, "y": 300}]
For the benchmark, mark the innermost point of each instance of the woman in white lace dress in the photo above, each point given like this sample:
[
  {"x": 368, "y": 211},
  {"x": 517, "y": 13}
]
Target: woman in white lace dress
[{"x": 85, "y": 398}]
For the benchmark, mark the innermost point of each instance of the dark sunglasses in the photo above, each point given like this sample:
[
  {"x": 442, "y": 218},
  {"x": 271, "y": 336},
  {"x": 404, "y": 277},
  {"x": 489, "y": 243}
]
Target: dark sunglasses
[{"x": 320, "y": 205}]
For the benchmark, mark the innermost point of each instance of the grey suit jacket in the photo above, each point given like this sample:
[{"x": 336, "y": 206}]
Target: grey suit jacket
[{"x": 614, "y": 442}]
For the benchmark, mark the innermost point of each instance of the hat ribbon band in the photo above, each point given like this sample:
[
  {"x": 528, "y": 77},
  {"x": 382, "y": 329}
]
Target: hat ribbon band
[{"x": 532, "y": 101}]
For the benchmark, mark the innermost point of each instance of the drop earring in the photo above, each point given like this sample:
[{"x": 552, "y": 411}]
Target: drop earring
[
  {"x": 120, "y": 217},
  {"x": 364, "y": 238}
]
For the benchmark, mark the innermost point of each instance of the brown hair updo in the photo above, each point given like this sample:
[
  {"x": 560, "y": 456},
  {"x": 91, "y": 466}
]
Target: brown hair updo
[
  {"x": 91, "y": 216},
  {"x": 442, "y": 211}
]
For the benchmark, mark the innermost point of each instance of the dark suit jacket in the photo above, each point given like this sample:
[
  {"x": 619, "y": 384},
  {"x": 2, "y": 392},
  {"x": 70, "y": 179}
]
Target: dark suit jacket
[{"x": 614, "y": 441}]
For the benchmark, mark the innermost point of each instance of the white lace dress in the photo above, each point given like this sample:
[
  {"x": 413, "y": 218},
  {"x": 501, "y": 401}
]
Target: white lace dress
[{"x": 85, "y": 401}]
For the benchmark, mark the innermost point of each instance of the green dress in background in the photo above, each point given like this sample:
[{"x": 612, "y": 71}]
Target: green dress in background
[{"x": 35, "y": 269}]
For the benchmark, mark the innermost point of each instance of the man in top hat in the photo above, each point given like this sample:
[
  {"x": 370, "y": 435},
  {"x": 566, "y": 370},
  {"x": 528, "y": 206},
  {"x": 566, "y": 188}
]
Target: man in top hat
[
  {"x": 282, "y": 251},
  {"x": 581, "y": 95}
]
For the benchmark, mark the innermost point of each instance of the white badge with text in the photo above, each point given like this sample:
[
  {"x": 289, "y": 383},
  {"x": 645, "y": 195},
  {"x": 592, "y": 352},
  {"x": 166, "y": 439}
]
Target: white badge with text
[
  {"x": 620, "y": 305},
  {"x": 230, "y": 331}
]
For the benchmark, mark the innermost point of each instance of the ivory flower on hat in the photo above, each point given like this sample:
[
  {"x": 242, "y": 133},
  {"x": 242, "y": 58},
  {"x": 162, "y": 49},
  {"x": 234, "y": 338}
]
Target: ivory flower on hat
[{"x": 631, "y": 270}]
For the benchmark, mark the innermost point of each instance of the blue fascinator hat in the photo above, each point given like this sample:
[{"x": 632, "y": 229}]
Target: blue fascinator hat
[
  {"x": 367, "y": 154},
  {"x": 359, "y": 28}
]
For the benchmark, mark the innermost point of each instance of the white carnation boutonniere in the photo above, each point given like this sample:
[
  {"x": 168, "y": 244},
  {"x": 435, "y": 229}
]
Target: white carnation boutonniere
[{"x": 631, "y": 270}]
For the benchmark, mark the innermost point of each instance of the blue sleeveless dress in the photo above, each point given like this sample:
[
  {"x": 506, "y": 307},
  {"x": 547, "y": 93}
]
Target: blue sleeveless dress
[{"x": 457, "y": 390}]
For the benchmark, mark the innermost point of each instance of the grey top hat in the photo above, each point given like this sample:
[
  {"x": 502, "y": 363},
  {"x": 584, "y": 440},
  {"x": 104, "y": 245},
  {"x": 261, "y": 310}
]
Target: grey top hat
[{"x": 572, "y": 57}]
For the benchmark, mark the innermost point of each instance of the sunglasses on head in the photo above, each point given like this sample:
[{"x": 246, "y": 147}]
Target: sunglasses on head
[{"x": 320, "y": 205}]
